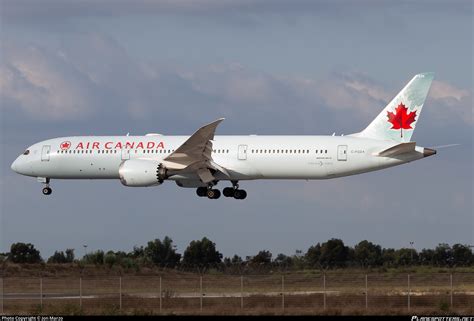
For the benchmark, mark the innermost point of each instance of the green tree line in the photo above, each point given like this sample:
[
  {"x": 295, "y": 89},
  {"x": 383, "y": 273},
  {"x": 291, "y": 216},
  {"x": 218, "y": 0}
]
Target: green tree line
[{"x": 202, "y": 254}]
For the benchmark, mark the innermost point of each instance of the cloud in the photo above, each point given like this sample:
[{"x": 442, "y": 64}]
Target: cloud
[
  {"x": 42, "y": 85},
  {"x": 451, "y": 102},
  {"x": 25, "y": 11},
  {"x": 91, "y": 75},
  {"x": 443, "y": 90}
]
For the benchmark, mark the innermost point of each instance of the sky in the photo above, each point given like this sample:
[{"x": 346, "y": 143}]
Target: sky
[{"x": 101, "y": 67}]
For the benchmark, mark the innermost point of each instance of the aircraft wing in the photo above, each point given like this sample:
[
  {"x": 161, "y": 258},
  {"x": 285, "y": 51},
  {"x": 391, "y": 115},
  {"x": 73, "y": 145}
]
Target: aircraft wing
[{"x": 194, "y": 155}]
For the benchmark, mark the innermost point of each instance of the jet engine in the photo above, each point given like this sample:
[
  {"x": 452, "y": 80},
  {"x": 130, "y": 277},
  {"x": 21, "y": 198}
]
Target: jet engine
[{"x": 142, "y": 172}]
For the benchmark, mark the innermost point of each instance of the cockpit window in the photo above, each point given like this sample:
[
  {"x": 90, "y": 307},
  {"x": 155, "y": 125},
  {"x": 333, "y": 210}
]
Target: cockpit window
[{"x": 26, "y": 152}]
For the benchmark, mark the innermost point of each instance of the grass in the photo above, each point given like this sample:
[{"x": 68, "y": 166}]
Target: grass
[{"x": 430, "y": 291}]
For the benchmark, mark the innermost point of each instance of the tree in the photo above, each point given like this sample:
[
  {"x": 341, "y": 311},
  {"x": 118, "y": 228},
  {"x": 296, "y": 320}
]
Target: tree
[
  {"x": 69, "y": 255},
  {"x": 110, "y": 259},
  {"x": 462, "y": 255},
  {"x": 236, "y": 259},
  {"x": 137, "y": 252},
  {"x": 312, "y": 255},
  {"x": 161, "y": 253},
  {"x": 388, "y": 257},
  {"x": 201, "y": 253},
  {"x": 60, "y": 257},
  {"x": 24, "y": 253},
  {"x": 368, "y": 254},
  {"x": 96, "y": 257},
  {"x": 405, "y": 256},
  {"x": 283, "y": 260},
  {"x": 427, "y": 257},
  {"x": 443, "y": 255},
  {"x": 57, "y": 257},
  {"x": 262, "y": 258},
  {"x": 334, "y": 253}
]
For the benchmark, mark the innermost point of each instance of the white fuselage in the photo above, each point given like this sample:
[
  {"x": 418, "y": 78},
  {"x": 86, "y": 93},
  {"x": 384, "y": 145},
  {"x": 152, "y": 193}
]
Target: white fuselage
[{"x": 244, "y": 157}]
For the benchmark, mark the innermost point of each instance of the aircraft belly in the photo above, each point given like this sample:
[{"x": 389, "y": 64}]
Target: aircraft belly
[{"x": 291, "y": 169}]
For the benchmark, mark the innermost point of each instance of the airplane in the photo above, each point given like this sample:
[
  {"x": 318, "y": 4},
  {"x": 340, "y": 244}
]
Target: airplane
[{"x": 203, "y": 159}]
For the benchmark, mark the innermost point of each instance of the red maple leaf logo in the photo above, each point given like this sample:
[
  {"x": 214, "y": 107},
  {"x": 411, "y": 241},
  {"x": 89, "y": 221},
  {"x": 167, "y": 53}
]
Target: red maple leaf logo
[
  {"x": 65, "y": 145},
  {"x": 401, "y": 119}
]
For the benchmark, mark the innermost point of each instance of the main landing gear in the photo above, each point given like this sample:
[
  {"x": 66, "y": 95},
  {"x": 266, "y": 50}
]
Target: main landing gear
[
  {"x": 210, "y": 192},
  {"x": 233, "y": 191}
]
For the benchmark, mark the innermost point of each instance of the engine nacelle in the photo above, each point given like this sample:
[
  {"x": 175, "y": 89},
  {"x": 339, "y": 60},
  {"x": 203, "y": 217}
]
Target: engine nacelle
[{"x": 141, "y": 172}]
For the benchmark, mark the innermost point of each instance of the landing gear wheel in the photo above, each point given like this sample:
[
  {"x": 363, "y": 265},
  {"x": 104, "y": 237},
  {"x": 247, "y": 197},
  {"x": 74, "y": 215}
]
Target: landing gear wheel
[
  {"x": 213, "y": 194},
  {"x": 47, "y": 190},
  {"x": 228, "y": 192},
  {"x": 201, "y": 191},
  {"x": 240, "y": 194}
]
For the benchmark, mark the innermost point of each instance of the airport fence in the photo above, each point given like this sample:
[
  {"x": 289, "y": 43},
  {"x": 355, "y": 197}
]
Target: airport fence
[{"x": 247, "y": 294}]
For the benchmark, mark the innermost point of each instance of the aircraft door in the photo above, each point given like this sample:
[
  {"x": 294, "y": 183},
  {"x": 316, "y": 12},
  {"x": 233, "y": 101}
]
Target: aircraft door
[
  {"x": 125, "y": 154},
  {"x": 242, "y": 155},
  {"x": 342, "y": 152},
  {"x": 45, "y": 153}
]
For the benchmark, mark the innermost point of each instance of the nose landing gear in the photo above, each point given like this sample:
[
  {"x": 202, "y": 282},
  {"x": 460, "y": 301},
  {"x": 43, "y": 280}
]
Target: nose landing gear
[{"x": 46, "y": 190}]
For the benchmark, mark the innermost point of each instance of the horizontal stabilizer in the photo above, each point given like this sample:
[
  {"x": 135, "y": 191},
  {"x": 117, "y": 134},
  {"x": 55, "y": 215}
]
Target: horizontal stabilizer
[{"x": 401, "y": 148}]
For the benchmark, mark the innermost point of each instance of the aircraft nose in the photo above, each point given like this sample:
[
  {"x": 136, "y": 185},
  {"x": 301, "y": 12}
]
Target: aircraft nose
[{"x": 15, "y": 165}]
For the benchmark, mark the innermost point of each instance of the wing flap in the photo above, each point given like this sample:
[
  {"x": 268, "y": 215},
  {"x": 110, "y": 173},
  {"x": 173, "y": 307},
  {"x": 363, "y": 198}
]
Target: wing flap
[{"x": 205, "y": 175}]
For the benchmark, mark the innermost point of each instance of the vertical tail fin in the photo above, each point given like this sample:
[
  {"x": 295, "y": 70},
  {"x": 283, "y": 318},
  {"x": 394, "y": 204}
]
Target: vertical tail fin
[{"x": 398, "y": 119}]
